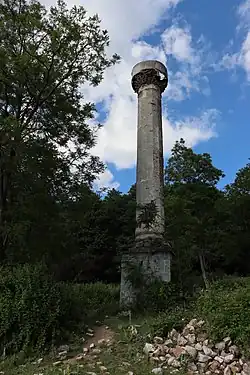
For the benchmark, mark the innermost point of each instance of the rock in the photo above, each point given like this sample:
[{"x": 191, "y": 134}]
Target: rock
[
  {"x": 214, "y": 365},
  {"x": 227, "y": 371},
  {"x": 219, "y": 359},
  {"x": 233, "y": 349},
  {"x": 193, "y": 322},
  {"x": 162, "y": 359},
  {"x": 101, "y": 341},
  {"x": 203, "y": 358},
  {"x": 208, "y": 351},
  {"x": 198, "y": 347},
  {"x": 191, "y": 338},
  {"x": 178, "y": 351},
  {"x": 176, "y": 364},
  {"x": 63, "y": 354},
  {"x": 229, "y": 358},
  {"x": 181, "y": 340},
  {"x": 89, "y": 334},
  {"x": 63, "y": 348},
  {"x": 200, "y": 323},
  {"x": 173, "y": 335},
  {"x": 246, "y": 368},
  {"x": 202, "y": 336},
  {"x": 157, "y": 352},
  {"x": 80, "y": 357},
  {"x": 170, "y": 361},
  {"x": 85, "y": 350},
  {"x": 169, "y": 343},
  {"x": 130, "y": 373},
  {"x": 148, "y": 348},
  {"x": 192, "y": 366},
  {"x": 157, "y": 370},
  {"x": 92, "y": 345},
  {"x": 227, "y": 341},
  {"x": 220, "y": 345},
  {"x": 96, "y": 351},
  {"x": 191, "y": 351},
  {"x": 188, "y": 329},
  {"x": 103, "y": 368},
  {"x": 57, "y": 363},
  {"x": 158, "y": 340}
]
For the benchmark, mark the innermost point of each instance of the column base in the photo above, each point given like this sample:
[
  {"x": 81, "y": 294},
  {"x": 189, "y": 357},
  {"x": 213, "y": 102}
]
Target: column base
[{"x": 149, "y": 260}]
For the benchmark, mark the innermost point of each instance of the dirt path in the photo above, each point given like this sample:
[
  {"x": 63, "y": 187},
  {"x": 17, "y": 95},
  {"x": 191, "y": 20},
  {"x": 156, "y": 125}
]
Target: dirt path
[{"x": 100, "y": 333}]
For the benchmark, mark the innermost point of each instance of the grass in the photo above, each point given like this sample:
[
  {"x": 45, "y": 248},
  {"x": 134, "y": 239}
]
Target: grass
[{"x": 124, "y": 355}]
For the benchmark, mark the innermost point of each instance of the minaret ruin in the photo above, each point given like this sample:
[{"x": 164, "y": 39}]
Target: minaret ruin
[{"x": 150, "y": 252}]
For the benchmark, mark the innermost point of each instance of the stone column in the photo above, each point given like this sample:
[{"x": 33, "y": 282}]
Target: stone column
[
  {"x": 147, "y": 83},
  {"x": 150, "y": 252}
]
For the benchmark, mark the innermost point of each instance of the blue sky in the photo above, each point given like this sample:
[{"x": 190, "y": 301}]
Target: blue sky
[{"x": 205, "y": 45}]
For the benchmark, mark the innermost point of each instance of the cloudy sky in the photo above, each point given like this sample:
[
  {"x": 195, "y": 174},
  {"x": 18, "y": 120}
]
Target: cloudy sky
[{"x": 205, "y": 45}]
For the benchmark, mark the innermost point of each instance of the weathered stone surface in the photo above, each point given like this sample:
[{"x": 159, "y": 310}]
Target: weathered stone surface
[
  {"x": 178, "y": 351},
  {"x": 157, "y": 371},
  {"x": 148, "y": 348},
  {"x": 154, "y": 258},
  {"x": 191, "y": 351},
  {"x": 204, "y": 357}
]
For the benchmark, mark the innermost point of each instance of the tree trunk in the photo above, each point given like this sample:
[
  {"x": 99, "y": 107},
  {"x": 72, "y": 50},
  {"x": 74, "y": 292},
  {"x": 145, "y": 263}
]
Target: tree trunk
[{"x": 203, "y": 270}]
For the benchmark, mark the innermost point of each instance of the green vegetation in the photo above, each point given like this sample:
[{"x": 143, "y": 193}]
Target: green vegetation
[{"x": 61, "y": 242}]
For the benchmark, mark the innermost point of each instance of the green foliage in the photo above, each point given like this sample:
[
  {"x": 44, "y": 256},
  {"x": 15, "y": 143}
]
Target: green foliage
[
  {"x": 191, "y": 199},
  {"x": 36, "y": 312},
  {"x": 46, "y": 55},
  {"x": 147, "y": 214},
  {"x": 225, "y": 307},
  {"x": 164, "y": 322},
  {"x": 185, "y": 166},
  {"x": 30, "y": 308},
  {"x": 160, "y": 296},
  {"x": 98, "y": 299},
  {"x": 153, "y": 295}
]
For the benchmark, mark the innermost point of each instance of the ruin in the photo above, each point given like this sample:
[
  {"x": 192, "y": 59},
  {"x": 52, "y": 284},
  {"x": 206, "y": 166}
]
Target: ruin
[{"x": 150, "y": 252}]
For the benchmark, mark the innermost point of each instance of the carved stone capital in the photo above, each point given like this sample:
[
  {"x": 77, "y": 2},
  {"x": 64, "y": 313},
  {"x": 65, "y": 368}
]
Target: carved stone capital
[{"x": 147, "y": 77}]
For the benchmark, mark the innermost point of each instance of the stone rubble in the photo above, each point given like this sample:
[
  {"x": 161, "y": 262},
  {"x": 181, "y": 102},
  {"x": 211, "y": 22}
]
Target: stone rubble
[{"x": 191, "y": 350}]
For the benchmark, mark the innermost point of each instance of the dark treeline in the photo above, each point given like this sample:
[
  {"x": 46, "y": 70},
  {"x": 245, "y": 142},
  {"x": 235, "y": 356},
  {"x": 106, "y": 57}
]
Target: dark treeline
[{"x": 48, "y": 210}]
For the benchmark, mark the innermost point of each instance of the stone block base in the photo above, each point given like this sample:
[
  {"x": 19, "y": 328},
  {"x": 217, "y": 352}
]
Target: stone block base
[{"x": 154, "y": 265}]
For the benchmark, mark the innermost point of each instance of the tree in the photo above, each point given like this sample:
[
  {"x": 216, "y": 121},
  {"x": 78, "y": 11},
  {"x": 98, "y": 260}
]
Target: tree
[
  {"x": 44, "y": 57},
  {"x": 185, "y": 166},
  {"x": 235, "y": 225},
  {"x": 190, "y": 202}
]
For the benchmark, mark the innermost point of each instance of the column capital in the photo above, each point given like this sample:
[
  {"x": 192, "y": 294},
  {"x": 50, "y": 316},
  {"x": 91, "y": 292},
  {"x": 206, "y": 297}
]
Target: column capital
[{"x": 149, "y": 72}]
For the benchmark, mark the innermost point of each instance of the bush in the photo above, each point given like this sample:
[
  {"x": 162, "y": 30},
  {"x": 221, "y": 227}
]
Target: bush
[
  {"x": 160, "y": 296},
  {"x": 164, "y": 322},
  {"x": 36, "y": 312},
  {"x": 98, "y": 299},
  {"x": 226, "y": 309},
  {"x": 30, "y": 308}
]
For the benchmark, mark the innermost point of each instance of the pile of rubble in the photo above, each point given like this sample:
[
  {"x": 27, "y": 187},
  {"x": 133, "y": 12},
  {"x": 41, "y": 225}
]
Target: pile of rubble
[{"x": 193, "y": 351}]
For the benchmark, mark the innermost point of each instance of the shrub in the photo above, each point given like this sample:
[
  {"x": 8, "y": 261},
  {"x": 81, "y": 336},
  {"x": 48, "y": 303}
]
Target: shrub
[
  {"x": 29, "y": 308},
  {"x": 226, "y": 309},
  {"x": 164, "y": 322},
  {"x": 160, "y": 296},
  {"x": 98, "y": 299}
]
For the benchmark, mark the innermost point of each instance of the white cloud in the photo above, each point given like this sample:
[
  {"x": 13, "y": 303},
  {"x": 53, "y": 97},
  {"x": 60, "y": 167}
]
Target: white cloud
[
  {"x": 177, "y": 42},
  {"x": 193, "y": 129},
  {"x": 241, "y": 58},
  {"x": 126, "y": 21},
  {"x": 243, "y": 12},
  {"x": 106, "y": 181},
  {"x": 245, "y": 55}
]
